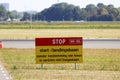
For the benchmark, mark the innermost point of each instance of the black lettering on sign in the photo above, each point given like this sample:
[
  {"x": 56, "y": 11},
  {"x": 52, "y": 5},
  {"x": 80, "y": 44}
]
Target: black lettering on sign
[
  {"x": 70, "y": 55},
  {"x": 44, "y": 50},
  {"x": 40, "y": 60},
  {"x": 77, "y": 55},
  {"x": 41, "y": 55}
]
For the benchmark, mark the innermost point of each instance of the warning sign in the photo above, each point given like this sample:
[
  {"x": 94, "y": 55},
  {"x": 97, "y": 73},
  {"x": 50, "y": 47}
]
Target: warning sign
[{"x": 59, "y": 50}]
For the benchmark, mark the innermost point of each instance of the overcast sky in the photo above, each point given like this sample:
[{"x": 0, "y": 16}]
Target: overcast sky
[{"x": 38, "y": 5}]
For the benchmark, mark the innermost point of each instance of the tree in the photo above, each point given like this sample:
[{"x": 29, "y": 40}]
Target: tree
[
  {"x": 3, "y": 13},
  {"x": 109, "y": 7},
  {"x": 91, "y": 10},
  {"x": 102, "y": 11},
  {"x": 118, "y": 17},
  {"x": 100, "y": 5},
  {"x": 83, "y": 14},
  {"x": 69, "y": 15},
  {"x": 69, "y": 12},
  {"x": 106, "y": 17},
  {"x": 60, "y": 12},
  {"x": 77, "y": 13},
  {"x": 26, "y": 17},
  {"x": 14, "y": 15},
  {"x": 114, "y": 13}
]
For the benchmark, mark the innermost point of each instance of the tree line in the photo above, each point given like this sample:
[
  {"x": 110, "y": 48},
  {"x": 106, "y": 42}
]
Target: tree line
[{"x": 68, "y": 12}]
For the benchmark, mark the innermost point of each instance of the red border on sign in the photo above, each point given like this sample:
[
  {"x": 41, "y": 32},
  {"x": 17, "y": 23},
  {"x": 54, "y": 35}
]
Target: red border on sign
[{"x": 58, "y": 41}]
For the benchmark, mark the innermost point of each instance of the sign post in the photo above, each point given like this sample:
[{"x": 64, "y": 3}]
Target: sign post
[{"x": 59, "y": 50}]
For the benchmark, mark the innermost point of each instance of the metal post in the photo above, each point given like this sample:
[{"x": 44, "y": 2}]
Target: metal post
[
  {"x": 75, "y": 66},
  {"x": 42, "y": 66}
]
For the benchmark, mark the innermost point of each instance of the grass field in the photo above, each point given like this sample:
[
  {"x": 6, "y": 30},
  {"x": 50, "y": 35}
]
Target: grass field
[
  {"x": 60, "y": 29},
  {"x": 33, "y": 33},
  {"x": 60, "y": 25},
  {"x": 99, "y": 64}
]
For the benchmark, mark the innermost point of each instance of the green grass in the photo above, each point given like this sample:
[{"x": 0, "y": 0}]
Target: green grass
[
  {"x": 60, "y": 25},
  {"x": 100, "y": 64}
]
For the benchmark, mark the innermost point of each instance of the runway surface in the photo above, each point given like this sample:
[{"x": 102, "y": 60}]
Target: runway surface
[{"x": 87, "y": 43}]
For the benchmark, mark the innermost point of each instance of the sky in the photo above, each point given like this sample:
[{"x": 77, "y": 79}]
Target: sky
[{"x": 39, "y": 5}]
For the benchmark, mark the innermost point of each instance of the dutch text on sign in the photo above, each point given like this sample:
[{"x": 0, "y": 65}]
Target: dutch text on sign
[{"x": 59, "y": 50}]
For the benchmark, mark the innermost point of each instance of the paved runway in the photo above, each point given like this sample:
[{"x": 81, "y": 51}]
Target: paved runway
[{"x": 87, "y": 43}]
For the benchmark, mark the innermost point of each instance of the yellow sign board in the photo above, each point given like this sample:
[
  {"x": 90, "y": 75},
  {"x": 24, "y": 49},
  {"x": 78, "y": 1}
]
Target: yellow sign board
[{"x": 69, "y": 51}]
